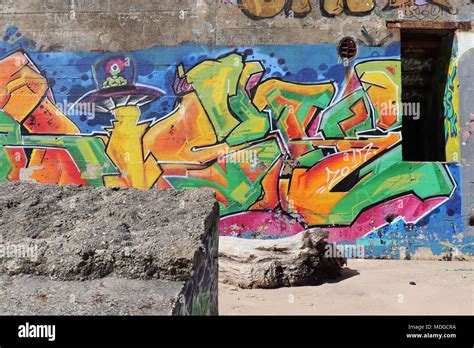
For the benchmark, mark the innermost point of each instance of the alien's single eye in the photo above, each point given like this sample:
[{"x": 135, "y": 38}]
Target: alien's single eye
[{"x": 114, "y": 68}]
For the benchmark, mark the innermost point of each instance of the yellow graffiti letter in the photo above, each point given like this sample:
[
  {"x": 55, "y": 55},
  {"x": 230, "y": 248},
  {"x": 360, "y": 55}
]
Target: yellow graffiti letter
[{"x": 259, "y": 9}]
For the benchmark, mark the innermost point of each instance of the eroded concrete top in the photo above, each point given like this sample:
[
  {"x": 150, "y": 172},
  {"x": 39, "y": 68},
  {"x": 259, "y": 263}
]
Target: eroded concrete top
[
  {"x": 76, "y": 233},
  {"x": 120, "y": 25},
  {"x": 27, "y": 295}
]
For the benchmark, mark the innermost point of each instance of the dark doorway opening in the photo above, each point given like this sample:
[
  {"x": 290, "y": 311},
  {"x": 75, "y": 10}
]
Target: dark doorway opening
[{"x": 426, "y": 55}]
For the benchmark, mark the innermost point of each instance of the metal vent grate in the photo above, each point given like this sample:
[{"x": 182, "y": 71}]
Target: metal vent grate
[{"x": 347, "y": 48}]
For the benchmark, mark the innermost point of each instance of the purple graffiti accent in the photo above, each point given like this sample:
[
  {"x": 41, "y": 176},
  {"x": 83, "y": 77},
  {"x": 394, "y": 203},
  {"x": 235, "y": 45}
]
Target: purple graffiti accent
[
  {"x": 181, "y": 85},
  {"x": 253, "y": 81},
  {"x": 256, "y": 223}
]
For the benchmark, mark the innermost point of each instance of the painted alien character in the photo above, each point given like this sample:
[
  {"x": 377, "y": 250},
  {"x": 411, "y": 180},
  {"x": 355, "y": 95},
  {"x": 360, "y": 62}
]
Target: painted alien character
[
  {"x": 114, "y": 67},
  {"x": 118, "y": 93}
]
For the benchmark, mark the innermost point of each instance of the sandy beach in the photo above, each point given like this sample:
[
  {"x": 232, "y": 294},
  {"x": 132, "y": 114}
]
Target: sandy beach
[{"x": 384, "y": 287}]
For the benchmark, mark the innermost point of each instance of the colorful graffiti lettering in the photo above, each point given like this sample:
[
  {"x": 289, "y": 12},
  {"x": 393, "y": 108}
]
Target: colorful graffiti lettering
[
  {"x": 451, "y": 107},
  {"x": 282, "y": 151},
  {"x": 264, "y": 9},
  {"x": 413, "y": 5},
  {"x": 331, "y": 8},
  {"x": 260, "y": 9}
]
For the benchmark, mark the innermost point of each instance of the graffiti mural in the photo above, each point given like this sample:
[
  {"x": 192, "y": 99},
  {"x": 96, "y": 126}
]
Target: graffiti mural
[
  {"x": 284, "y": 147},
  {"x": 331, "y": 8},
  {"x": 451, "y": 108},
  {"x": 264, "y": 9},
  {"x": 261, "y": 9},
  {"x": 444, "y": 5}
]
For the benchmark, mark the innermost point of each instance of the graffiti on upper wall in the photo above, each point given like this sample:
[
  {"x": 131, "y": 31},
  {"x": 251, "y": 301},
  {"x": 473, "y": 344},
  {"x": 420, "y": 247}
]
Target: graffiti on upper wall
[
  {"x": 263, "y": 9},
  {"x": 419, "y": 9},
  {"x": 284, "y": 147},
  {"x": 270, "y": 9},
  {"x": 445, "y": 5}
]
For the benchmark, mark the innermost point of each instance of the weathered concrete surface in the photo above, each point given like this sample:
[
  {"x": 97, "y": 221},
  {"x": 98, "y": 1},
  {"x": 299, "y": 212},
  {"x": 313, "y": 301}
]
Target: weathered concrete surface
[
  {"x": 118, "y": 25},
  {"x": 109, "y": 25},
  {"x": 27, "y": 295},
  {"x": 466, "y": 85},
  {"x": 74, "y": 234},
  {"x": 317, "y": 28}
]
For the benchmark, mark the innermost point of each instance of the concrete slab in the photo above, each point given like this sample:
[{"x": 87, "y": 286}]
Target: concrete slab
[{"x": 69, "y": 234}]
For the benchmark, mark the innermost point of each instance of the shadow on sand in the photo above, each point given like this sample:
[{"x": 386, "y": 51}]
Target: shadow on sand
[{"x": 346, "y": 273}]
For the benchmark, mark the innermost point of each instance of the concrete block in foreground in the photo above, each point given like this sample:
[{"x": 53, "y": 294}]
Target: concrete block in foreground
[{"x": 75, "y": 250}]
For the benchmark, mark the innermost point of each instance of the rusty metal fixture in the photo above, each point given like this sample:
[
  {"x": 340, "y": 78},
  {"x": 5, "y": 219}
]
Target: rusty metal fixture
[{"x": 347, "y": 48}]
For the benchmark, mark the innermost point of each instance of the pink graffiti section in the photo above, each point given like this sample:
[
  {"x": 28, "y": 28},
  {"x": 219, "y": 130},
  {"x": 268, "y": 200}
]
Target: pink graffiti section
[
  {"x": 410, "y": 207},
  {"x": 256, "y": 223}
]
